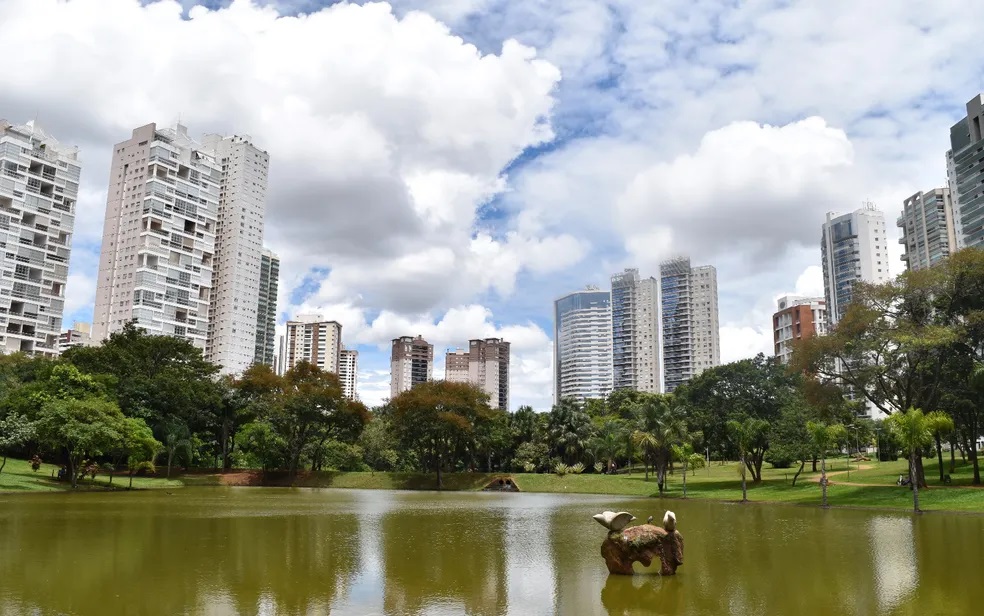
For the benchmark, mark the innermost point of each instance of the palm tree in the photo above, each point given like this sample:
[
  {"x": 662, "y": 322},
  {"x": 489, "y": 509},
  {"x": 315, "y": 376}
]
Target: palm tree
[
  {"x": 745, "y": 434},
  {"x": 822, "y": 438},
  {"x": 684, "y": 452},
  {"x": 608, "y": 442},
  {"x": 912, "y": 428},
  {"x": 176, "y": 438},
  {"x": 569, "y": 428},
  {"x": 658, "y": 428},
  {"x": 939, "y": 424}
]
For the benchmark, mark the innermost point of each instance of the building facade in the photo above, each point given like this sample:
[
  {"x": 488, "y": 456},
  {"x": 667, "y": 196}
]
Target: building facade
[
  {"x": 158, "y": 245},
  {"x": 266, "y": 309},
  {"x": 348, "y": 373},
  {"x": 456, "y": 366},
  {"x": 488, "y": 368},
  {"x": 312, "y": 339},
  {"x": 690, "y": 322},
  {"x": 965, "y": 171},
  {"x": 797, "y": 318},
  {"x": 233, "y": 307},
  {"x": 411, "y": 363},
  {"x": 853, "y": 248},
  {"x": 583, "y": 345},
  {"x": 79, "y": 335},
  {"x": 928, "y": 234},
  {"x": 39, "y": 188},
  {"x": 636, "y": 349}
]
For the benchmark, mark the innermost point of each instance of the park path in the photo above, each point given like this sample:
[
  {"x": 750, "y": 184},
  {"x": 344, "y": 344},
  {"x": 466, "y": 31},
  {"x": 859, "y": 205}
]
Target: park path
[{"x": 862, "y": 467}]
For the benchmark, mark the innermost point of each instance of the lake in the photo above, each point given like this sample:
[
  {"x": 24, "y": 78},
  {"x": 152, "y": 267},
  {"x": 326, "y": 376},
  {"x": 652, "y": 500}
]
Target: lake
[{"x": 299, "y": 551}]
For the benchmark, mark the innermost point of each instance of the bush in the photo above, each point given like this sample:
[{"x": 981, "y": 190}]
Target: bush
[
  {"x": 598, "y": 467},
  {"x": 529, "y": 467},
  {"x": 531, "y": 453},
  {"x": 144, "y": 468},
  {"x": 341, "y": 456},
  {"x": 577, "y": 469},
  {"x": 561, "y": 469},
  {"x": 35, "y": 463}
]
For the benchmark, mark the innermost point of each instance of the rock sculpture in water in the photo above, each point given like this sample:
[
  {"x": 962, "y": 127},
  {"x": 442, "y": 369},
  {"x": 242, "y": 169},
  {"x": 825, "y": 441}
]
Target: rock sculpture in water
[{"x": 644, "y": 543}]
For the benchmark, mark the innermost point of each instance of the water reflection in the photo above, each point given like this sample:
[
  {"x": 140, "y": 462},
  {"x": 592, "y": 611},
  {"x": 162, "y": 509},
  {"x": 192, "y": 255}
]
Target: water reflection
[{"x": 256, "y": 551}]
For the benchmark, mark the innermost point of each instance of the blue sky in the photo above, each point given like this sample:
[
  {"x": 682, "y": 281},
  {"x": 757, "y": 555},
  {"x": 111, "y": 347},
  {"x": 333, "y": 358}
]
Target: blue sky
[{"x": 449, "y": 167}]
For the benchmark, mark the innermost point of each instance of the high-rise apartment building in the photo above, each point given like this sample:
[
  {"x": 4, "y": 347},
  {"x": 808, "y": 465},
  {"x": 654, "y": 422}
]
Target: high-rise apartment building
[
  {"x": 691, "y": 334},
  {"x": 456, "y": 366},
  {"x": 312, "y": 339},
  {"x": 182, "y": 241},
  {"x": 583, "y": 345},
  {"x": 79, "y": 335},
  {"x": 348, "y": 373},
  {"x": 853, "y": 248},
  {"x": 797, "y": 318},
  {"x": 636, "y": 350},
  {"x": 158, "y": 245},
  {"x": 39, "y": 187},
  {"x": 233, "y": 315},
  {"x": 928, "y": 234},
  {"x": 965, "y": 171},
  {"x": 266, "y": 309},
  {"x": 411, "y": 363},
  {"x": 488, "y": 368}
]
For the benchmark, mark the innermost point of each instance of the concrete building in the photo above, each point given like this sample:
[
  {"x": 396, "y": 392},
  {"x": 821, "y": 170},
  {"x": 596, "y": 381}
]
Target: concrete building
[
  {"x": 411, "y": 363},
  {"x": 691, "y": 332},
  {"x": 348, "y": 373},
  {"x": 853, "y": 247},
  {"x": 266, "y": 309},
  {"x": 456, "y": 366},
  {"x": 312, "y": 339},
  {"x": 488, "y": 368},
  {"x": 79, "y": 335},
  {"x": 233, "y": 309},
  {"x": 797, "y": 318},
  {"x": 965, "y": 171},
  {"x": 928, "y": 234},
  {"x": 158, "y": 245},
  {"x": 636, "y": 348},
  {"x": 39, "y": 188},
  {"x": 583, "y": 345}
]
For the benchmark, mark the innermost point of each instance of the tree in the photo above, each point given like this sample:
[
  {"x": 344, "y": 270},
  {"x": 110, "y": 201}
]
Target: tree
[
  {"x": 15, "y": 431},
  {"x": 85, "y": 427},
  {"x": 789, "y": 440},
  {"x": 822, "y": 438},
  {"x": 659, "y": 426},
  {"x": 137, "y": 444},
  {"x": 378, "y": 442},
  {"x": 913, "y": 429},
  {"x": 748, "y": 436},
  {"x": 261, "y": 446},
  {"x": 569, "y": 430},
  {"x": 607, "y": 443},
  {"x": 939, "y": 424},
  {"x": 177, "y": 439},
  {"x": 438, "y": 419},
  {"x": 684, "y": 452}
]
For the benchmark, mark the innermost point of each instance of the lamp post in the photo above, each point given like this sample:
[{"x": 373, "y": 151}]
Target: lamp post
[
  {"x": 878, "y": 443},
  {"x": 857, "y": 441}
]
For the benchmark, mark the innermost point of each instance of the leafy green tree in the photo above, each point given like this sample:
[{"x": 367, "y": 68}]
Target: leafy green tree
[
  {"x": 86, "y": 427},
  {"x": 378, "y": 445},
  {"x": 914, "y": 431},
  {"x": 659, "y": 426},
  {"x": 531, "y": 454},
  {"x": 748, "y": 436},
  {"x": 684, "y": 452},
  {"x": 789, "y": 440},
  {"x": 822, "y": 438},
  {"x": 260, "y": 445},
  {"x": 15, "y": 431},
  {"x": 939, "y": 424},
  {"x": 569, "y": 430},
  {"x": 438, "y": 419},
  {"x": 177, "y": 440},
  {"x": 137, "y": 444},
  {"x": 608, "y": 441}
]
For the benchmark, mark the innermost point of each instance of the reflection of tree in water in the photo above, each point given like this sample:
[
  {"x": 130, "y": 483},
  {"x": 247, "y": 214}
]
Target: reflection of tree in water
[
  {"x": 143, "y": 559},
  {"x": 444, "y": 557}
]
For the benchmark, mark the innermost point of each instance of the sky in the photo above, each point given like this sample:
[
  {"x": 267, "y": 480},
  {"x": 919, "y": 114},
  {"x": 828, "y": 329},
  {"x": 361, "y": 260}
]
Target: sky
[{"x": 448, "y": 168}]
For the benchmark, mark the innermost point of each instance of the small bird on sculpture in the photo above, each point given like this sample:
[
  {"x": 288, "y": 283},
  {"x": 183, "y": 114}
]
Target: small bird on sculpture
[{"x": 649, "y": 520}]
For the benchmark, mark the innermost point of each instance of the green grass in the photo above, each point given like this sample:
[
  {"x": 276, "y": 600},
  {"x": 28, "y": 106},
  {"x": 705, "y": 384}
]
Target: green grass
[{"x": 17, "y": 476}]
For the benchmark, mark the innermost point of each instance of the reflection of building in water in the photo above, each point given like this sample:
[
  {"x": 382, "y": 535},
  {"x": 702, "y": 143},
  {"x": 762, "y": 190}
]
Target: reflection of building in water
[
  {"x": 579, "y": 570},
  {"x": 530, "y": 575},
  {"x": 894, "y": 557}
]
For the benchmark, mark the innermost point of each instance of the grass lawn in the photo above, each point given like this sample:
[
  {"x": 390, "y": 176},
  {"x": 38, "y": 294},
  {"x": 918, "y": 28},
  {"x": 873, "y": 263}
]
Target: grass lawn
[{"x": 17, "y": 476}]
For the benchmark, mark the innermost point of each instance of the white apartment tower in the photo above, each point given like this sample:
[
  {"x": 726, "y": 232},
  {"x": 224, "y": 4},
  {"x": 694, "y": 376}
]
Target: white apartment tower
[
  {"x": 853, "y": 247},
  {"x": 39, "y": 187},
  {"x": 637, "y": 361},
  {"x": 583, "y": 345},
  {"x": 965, "y": 172},
  {"x": 928, "y": 234},
  {"x": 312, "y": 339},
  {"x": 411, "y": 363},
  {"x": 233, "y": 309},
  {"x": 691, "y": 335},
  {"x": 488, "y": 368},
  {"x": 266, "y": 308},
  {"x": 158, "y": 245},
  {"x": 348, "y": 373}
]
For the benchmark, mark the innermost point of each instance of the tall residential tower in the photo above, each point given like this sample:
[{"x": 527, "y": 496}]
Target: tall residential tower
[
  {"x": 312, "y": 339},
  {"x": 853, "y": 248},
  {"x": 39, "y": 187},
  {"x": 583, "y": 345},
  {"x": 691, "y": 334},
  {"x": 797, "y": 318},
  {"x": 636, "y": 351},
  {"x": 928, "y": 234},
  {"x": 965, "y": 169},
  {"x": 411, "y": 363},
  {"x": 266, "y": 309}
]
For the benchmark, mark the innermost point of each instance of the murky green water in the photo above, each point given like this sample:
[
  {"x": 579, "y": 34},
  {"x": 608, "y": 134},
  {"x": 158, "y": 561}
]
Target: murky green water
[{"x": 274, "y": 551}]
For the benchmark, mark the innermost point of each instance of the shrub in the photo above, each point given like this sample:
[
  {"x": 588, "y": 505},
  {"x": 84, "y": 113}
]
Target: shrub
[
  {"x": 529, "y": 467},
  {"x": 35, "y": 463},
  {"x": 598, "y": 467},
  {"x": 144, "y": 468},
  {"x": 561, "y": 469},
  {"x": 577, "y": 469}
]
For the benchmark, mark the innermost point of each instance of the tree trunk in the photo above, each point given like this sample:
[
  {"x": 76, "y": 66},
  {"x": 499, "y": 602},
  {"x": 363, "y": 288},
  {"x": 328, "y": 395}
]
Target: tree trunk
[
  {"x": 71, "y": 471},
  {"x": 170, "y": 458},
  {"x": 912, "y": 480},
  {"x": 685, "y": 477},
  {"x": 744, "y": 491},
  {"x": 939, "y": 453},
  {"x": 440, "y": 485},
  {"x": 953, "y": 460},
  {"x": 972, "y": 454},
  {"x": 130, "y": 487},
  {"x": 823, "y": 482},
  {"x": 796, "y": 476},
  {"x": 814, "y": 465},
  {"x": 4, "y": 464},
  {"x": 225, "y": 446},
  {"x": 920, "y": 470},
  {"x": 645, "y": 465}
]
